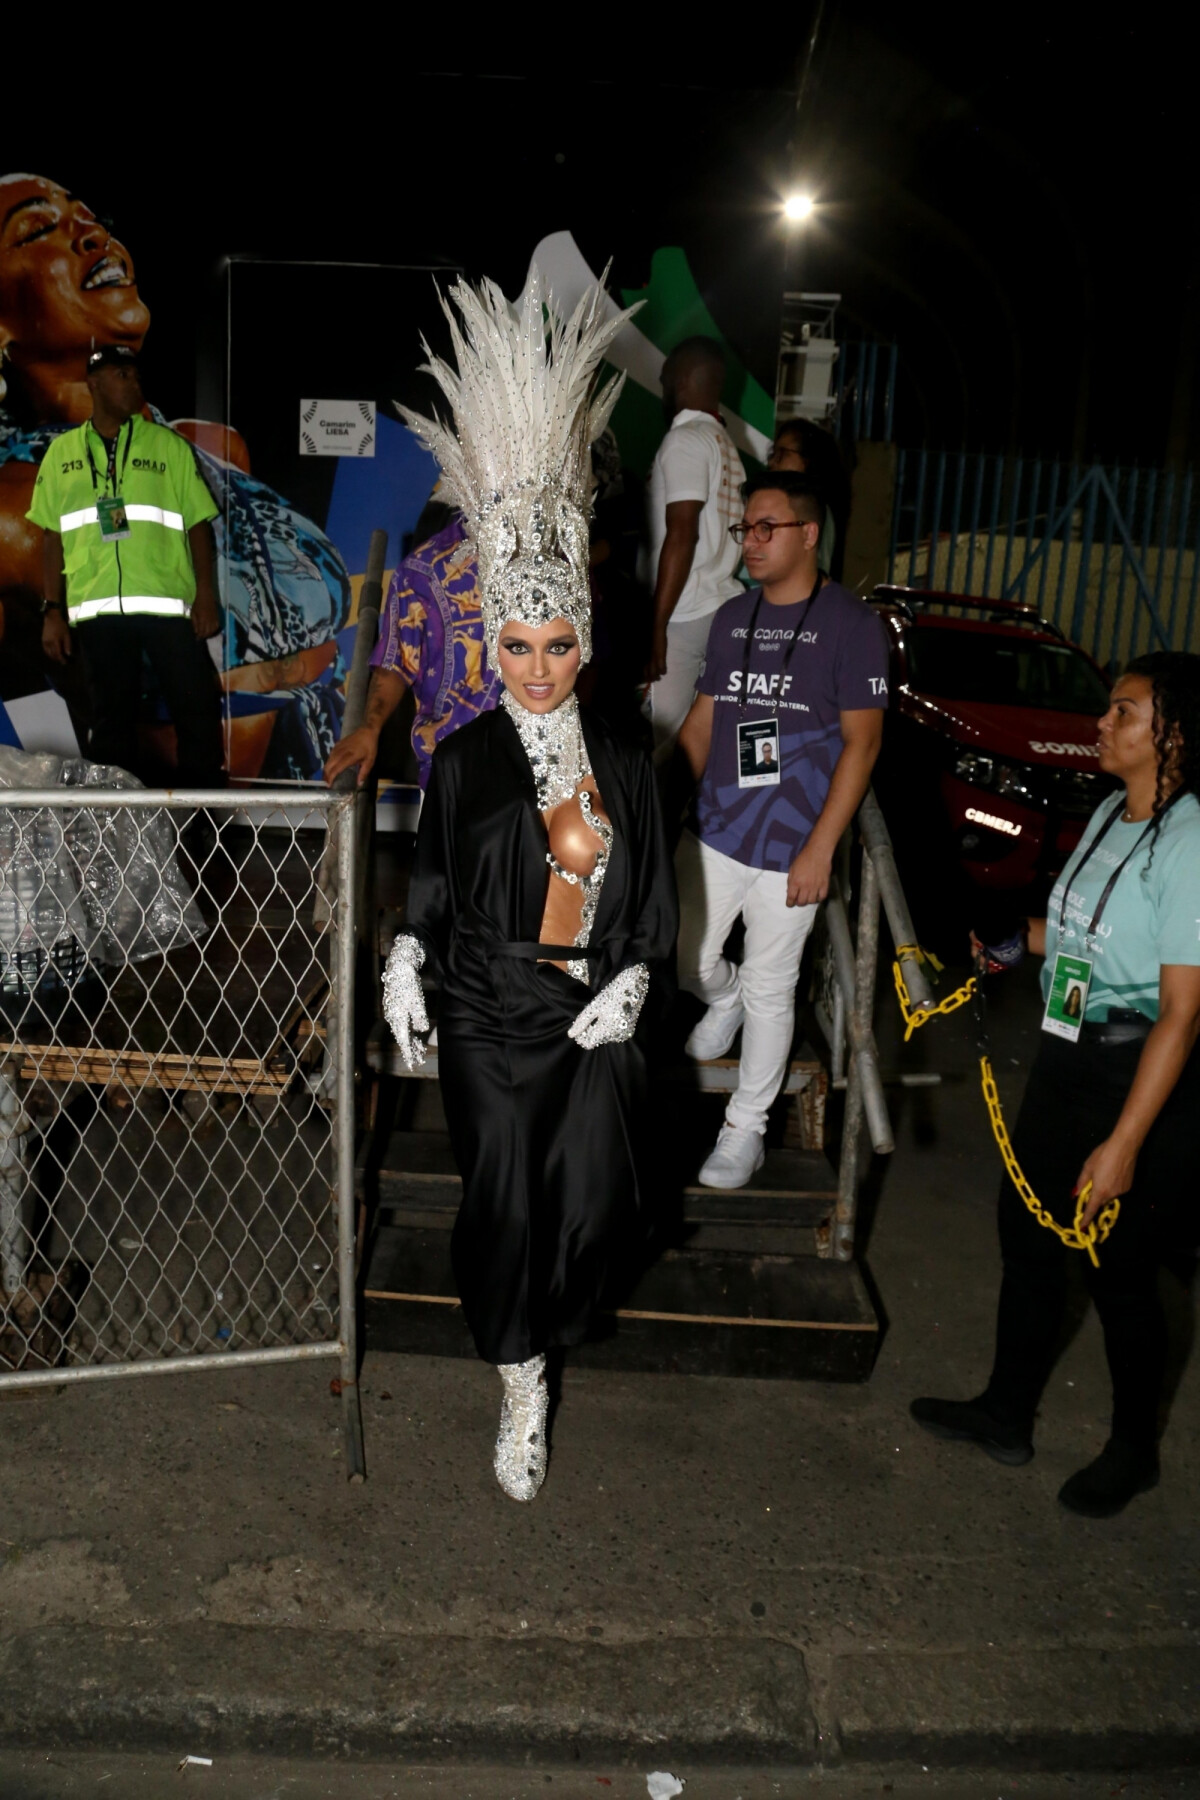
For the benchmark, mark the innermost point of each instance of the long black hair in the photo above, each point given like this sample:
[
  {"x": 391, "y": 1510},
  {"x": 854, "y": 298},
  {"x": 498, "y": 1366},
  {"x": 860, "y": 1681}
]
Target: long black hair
[{"x": 1174, "y": 676}]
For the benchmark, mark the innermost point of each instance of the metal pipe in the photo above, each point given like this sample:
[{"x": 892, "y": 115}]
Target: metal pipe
[
  {"x": 871, "y": 358},
  {"x": 918, "y": 505},
  {"x": 317, "y": 799},
  {"x": 1076, "y": 483},
  {"x": 341, "y": 1038},
  {"x": 935, "y": 521},
  {"x": 1096, "y": 636},
  {"x": 1181, "y": 518},
  {"x": 890, "y": 404},
  {"x": 837, "y": 1050},
  {"x": 976, "y": 504},
  {"x": 897, "y": 495},
  {"x": 862, "y": 1041},
  {"x": 1088, "y": 533},
  {"x": 859, "y": 1091},
  {"x": 878, "y": 844},
  {"x": 166, "y": 1365},
  {"x": 955, "y": 518},
  {"x": 847, "y": 1194}
]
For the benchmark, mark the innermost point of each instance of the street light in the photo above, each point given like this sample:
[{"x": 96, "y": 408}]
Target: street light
[{"x": 797, "y": 208}]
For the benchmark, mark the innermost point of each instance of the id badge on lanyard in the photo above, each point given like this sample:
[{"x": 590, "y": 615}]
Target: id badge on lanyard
[
  {"x": 1071, "y": 977},
  {"x": 1066, "y": 1003},
  {"x": 758, "y": 753},
  {"x": 110, "y": 511}
]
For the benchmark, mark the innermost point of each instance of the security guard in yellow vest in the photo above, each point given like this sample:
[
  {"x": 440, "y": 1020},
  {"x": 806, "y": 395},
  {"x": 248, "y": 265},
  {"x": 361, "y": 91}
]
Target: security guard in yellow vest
[{"x": 128, "y": 559}]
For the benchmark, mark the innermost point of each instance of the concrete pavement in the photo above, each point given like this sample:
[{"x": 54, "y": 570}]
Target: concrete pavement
[
  {"x": 717, "y": 1572},
  {"x": 153, "y": 1776}
]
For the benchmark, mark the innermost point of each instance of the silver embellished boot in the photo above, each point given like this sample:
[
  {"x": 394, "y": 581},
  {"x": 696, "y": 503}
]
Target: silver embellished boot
[{"x": 520, "y": 1462}]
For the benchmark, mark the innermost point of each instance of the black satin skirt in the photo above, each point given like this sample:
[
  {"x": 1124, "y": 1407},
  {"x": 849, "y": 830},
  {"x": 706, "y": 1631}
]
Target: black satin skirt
[{"x": 543, "y": 1135}]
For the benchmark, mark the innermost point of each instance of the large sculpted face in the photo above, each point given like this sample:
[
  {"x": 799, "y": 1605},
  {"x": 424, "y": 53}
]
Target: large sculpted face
[
  {"x": 66, "y": 284},
  {"x": 539, "y": 664}
]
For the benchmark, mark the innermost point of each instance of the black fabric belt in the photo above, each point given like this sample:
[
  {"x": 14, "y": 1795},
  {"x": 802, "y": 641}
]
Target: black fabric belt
[
  {"x": 531, "y": 952},
  {"x": 1122, "y": 1026}
]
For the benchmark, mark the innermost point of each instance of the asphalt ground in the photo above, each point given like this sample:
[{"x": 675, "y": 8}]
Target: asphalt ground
[
  {"x": 70, "y": 1777},
  {"x": 718, "y": 1576}
]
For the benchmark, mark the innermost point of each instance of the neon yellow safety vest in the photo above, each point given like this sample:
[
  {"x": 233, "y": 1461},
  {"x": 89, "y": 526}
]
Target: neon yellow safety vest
[{"x": 155, "y": 473}]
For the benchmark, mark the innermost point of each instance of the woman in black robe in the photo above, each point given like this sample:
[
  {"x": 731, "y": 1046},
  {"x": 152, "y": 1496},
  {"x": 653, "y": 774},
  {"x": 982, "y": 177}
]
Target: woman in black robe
[
  {"x": 542, "y": 1128},
  {"x": 542, "y": 892}
]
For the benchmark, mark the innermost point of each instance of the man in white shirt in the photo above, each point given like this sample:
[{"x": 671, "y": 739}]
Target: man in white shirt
[{"x": 694, "y": 497}]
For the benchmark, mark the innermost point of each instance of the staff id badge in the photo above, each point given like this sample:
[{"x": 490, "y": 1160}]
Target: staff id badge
[
  {"x": 758, "y": 752},
  {"x": 110, "y": 511},
  {"x": 1066, "y": 1002}
]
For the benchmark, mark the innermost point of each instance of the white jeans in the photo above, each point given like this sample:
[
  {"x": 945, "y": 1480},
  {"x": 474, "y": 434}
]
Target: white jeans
[
  {"x": 669, "y": 700},
  {"x": 713, "y": 890}
]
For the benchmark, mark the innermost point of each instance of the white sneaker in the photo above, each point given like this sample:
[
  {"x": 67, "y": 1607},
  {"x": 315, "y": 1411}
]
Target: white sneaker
[
  {"x": 717, "y": 1029},
  {"x": 735, "y": 1156}
]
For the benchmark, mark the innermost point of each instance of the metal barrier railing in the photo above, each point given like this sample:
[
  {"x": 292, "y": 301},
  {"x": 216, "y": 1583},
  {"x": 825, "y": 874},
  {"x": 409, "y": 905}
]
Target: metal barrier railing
[
  {"x": 176, "y": 1084},
  {"x": 844, "y": 993}
]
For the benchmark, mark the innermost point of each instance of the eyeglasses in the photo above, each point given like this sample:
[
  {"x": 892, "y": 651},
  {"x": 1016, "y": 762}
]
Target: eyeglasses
[{"x": 762, "y": 529}]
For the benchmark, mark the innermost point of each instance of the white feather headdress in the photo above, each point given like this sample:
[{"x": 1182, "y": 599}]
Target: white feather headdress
[{"x": 526, "y": 410}]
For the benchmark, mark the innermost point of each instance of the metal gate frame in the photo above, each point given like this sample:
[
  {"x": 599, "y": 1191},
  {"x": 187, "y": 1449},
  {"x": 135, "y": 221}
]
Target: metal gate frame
[{"x": 341, "y": 846}]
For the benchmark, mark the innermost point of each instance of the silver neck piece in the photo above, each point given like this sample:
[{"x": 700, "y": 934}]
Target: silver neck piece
[{"x": 553, "y": 742}]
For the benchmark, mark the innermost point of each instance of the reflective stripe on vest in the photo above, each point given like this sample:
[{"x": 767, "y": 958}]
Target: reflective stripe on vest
[
  {"x": 116, "y": 604},
  {"x": 146, "y": 515}
]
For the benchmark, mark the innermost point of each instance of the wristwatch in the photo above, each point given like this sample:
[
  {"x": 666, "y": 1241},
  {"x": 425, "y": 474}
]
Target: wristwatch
[{"x": 46, "y": 606}]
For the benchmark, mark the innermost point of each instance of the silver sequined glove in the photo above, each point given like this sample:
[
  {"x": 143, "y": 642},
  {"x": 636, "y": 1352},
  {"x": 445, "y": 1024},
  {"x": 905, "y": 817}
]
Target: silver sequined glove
[
  {"x": 611, "y": 1018},
  {"x": 403, "y": 999}
]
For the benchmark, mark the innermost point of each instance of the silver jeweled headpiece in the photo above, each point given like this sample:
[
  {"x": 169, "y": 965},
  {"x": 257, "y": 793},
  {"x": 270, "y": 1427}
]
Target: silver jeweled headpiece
[{"x": 526, "y": 410}]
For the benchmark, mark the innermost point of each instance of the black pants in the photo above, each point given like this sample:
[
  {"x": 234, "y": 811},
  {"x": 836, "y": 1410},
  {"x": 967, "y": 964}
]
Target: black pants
[
  {"x": 112, "y": 659},
  {"x": 1074, "y": 1096}
]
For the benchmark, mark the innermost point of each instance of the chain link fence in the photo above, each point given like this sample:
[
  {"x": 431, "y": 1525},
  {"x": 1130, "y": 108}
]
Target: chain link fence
[{"x": 176, "y": 1083}]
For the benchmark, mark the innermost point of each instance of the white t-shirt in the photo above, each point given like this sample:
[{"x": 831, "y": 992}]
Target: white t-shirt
[{"x": 698, "y": 460}]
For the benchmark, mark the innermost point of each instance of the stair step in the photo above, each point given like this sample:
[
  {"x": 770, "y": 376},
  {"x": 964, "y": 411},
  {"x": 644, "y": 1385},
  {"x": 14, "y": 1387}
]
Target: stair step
[
  {"x": 695, "y": 1311},
  {"x": 424, "y": 1158}
]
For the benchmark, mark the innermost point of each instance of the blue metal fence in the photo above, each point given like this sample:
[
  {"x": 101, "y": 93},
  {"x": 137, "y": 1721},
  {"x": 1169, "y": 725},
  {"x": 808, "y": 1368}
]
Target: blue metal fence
[
  {"x": 1111, "y": 555},
  {"x": 865, "y": 391}
]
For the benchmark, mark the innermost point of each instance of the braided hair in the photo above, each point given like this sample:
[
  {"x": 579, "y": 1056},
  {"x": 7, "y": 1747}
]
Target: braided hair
[{"x": 1174, "y": 676}]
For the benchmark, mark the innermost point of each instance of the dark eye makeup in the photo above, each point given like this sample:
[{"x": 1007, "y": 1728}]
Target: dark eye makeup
[{"x": 560, "y": 647}]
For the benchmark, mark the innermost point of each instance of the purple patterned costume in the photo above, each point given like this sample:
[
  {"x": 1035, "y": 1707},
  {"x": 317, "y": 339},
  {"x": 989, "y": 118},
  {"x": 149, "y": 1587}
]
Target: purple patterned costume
[{"x": 432, "y": 635}]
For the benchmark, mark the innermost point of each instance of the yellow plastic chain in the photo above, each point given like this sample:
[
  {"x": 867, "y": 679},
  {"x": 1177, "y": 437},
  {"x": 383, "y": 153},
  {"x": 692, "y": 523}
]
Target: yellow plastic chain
[
  {"x": 913, "y": 1020},
  {"x": 1075, "y": 1237}
]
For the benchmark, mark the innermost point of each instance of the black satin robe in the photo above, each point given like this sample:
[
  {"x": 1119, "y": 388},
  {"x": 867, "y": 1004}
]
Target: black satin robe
[{"x": 542, "y": 1131}]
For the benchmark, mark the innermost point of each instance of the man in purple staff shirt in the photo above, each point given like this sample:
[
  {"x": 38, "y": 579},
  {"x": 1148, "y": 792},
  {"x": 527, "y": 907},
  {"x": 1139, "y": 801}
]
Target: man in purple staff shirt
[
  {"x": 782, "y": 737},
  {"x": 430, "y": 639}
]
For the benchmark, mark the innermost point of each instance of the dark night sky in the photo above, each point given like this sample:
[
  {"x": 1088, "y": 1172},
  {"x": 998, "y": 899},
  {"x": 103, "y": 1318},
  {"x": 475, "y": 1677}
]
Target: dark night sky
[{"x": 1006, "y": 193}]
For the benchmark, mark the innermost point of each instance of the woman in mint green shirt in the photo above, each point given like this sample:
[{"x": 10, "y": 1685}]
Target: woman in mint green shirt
[{"x": 1114, "y": 1094}]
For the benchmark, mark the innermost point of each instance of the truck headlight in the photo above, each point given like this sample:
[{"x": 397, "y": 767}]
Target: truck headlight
[
  {"x": 973, "y": 767},
  {"x": 1013, "y": 780}
]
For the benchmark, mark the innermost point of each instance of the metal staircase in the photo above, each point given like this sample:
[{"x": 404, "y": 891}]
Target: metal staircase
[{"x": 760, "y": 1281}]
